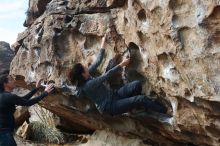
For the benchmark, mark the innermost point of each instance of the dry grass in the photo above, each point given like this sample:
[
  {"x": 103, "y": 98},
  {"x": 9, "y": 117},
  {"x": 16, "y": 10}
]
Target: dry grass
[{"x": 42, "y": 133}]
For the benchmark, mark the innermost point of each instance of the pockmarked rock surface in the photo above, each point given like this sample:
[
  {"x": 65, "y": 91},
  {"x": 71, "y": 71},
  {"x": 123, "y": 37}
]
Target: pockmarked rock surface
[{"x": 174, "y": 47}]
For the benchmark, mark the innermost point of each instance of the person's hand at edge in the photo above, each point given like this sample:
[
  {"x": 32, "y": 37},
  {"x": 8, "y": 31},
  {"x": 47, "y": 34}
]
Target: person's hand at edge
[
  {"x": 38, "y": 83},
  {"x": 103, "y": 41},
  {"x": 124, "y": 62},
  {"x": 49, "y": 88}
]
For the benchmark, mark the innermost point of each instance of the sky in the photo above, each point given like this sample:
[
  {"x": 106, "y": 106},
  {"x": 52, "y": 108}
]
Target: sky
[{"x": 12, "y": 16}]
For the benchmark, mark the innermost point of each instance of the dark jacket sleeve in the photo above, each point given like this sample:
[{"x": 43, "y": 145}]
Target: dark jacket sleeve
[
  {"x": 97, "y": 81},
  {"x": 97, "y": 62},
  {"x": 17, "y": 100},
  {"x": 30, "y": 94}
]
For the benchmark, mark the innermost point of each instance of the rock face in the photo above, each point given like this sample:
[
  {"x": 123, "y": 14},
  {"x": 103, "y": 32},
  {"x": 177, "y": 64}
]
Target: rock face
[
  {"x": 174, "y": 46},
  {"x": 6, "y": 56}
]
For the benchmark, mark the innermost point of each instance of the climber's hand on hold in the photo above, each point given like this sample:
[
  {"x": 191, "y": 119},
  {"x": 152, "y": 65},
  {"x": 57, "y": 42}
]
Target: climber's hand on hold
[{"x": 125, "y": 62}]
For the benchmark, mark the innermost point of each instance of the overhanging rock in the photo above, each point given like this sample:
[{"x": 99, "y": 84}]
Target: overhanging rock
[{"x": 175, "y": 51}]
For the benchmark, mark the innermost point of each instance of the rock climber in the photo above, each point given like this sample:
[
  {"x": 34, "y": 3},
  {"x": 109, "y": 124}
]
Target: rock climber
[{"x": 107, "y": 100}]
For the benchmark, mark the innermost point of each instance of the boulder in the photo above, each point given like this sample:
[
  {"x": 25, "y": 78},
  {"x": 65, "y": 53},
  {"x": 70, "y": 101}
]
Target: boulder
[
  {"x": 6, "y": 56},
  {"x": 174, "y": 46}
]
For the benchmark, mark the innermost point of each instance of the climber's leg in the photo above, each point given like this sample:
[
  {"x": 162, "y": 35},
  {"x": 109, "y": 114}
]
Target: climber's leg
[{"x": 124, "y": 105}]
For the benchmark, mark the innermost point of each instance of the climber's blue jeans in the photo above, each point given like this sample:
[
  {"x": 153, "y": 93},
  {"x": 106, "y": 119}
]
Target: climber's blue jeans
[
  {"x": 129, "y": 97},
  {"x": 7, "y": 139}
]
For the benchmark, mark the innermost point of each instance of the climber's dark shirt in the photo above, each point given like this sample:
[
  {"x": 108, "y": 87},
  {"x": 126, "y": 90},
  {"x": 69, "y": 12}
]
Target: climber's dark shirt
[
  {"x": 95, "y": 88},
  {"x": 8, "y": 101}
]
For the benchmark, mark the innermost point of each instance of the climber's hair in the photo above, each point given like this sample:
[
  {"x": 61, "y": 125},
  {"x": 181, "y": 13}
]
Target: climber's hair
[
  {"x": 75, "y": 75},
  {"x": 3, "y": 80}
]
